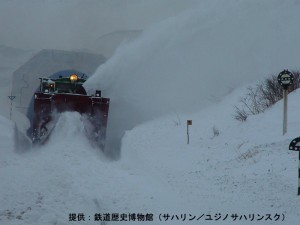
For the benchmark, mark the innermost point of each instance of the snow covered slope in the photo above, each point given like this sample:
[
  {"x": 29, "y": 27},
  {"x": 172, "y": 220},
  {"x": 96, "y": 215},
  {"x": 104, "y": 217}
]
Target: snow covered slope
[{"x": 246, "y": 169}]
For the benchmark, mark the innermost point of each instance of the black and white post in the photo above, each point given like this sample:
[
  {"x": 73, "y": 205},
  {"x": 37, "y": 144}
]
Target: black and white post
[
  {"x": 188, "y": 123},
  {"x": 285, "y": 79},
  {"x": 295, "y": 146},
  {"x": 299, "y": 175}
]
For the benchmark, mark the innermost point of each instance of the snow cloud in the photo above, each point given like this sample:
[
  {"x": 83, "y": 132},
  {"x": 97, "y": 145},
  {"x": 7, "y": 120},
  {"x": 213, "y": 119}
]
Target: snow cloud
[{"x": 192, "y": 59}]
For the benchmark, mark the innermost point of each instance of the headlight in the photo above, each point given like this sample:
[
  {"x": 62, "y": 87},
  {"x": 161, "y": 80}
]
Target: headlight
[{"x": 73, "y": 77}]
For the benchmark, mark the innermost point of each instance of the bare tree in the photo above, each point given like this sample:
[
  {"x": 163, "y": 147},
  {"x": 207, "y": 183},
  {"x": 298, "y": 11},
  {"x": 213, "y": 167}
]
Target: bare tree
[{"x": 262, "y": 96}]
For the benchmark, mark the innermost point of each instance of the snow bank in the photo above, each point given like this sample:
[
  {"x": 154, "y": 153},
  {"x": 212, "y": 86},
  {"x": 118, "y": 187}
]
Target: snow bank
[
  {"x": 6, "y": 135},
  {"x": 245, "y": 169}
]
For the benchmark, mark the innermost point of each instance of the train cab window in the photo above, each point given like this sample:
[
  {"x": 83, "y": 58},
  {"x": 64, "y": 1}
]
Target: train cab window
[{"x": 80, "y": 90}]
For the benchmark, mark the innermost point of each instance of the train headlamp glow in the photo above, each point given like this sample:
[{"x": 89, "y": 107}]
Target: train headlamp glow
[{"x": 73, "y": 77}]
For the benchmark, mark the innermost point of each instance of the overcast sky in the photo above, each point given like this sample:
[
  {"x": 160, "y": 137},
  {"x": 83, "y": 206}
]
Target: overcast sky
[{"x": 74, "y": 24}]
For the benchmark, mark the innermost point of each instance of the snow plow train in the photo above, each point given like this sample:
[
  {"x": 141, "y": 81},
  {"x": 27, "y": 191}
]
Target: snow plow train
[{"x": 65, "y": 92}]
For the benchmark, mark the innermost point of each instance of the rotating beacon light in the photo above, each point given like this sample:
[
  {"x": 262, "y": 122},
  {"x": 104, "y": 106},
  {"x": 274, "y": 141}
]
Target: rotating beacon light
[{"x": 73, "y": 78}]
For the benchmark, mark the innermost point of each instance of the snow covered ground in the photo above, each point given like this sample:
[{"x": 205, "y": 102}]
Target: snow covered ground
[
  {"x": 246, "y": 169},
  {"x": 188, "y": 62}
]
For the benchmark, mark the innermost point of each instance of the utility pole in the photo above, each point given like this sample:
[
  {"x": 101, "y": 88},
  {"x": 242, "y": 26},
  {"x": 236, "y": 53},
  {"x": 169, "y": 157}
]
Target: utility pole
[
  {"x": 285, "y": 99},
  {"x": 11, "y": 97}
]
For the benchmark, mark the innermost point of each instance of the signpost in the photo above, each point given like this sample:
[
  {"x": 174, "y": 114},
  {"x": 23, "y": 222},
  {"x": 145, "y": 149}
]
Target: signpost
[
  {"x": 188, "y": 123},
  {"x": 11, "y": 97},
  {"x": 295, "y": 146},
  {"x": 285, "y": 79}
]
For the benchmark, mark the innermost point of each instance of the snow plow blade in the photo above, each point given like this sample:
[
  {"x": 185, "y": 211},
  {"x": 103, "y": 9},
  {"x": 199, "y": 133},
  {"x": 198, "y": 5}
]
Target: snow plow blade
[{"x": 67, "y": 94}]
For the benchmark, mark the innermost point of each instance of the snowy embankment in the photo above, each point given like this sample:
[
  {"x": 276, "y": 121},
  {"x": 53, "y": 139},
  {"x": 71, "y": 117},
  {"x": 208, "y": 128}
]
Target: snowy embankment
[{"x": 246, "y": 169}]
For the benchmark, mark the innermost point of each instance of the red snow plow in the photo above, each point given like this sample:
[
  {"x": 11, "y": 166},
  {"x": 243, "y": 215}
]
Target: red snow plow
[{"x": 66, "y": 93}]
